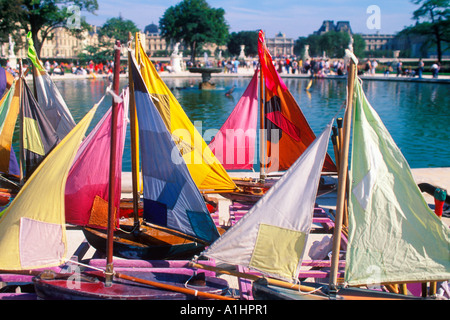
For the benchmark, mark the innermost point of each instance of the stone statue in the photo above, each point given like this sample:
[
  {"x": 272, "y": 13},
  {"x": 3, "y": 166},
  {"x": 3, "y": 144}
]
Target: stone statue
[
  {"x": 306, "y": 54},
  {"x": 175, "y": 59},
  {"x": 12, "y": 56},
  {"x": 175, "y": 49},
  {"x": 242, "y": 53},
  {"x": 11, "y": 47}
]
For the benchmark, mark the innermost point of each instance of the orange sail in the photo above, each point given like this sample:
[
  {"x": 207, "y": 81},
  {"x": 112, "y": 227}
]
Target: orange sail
[{"x": 288, "y": 133}]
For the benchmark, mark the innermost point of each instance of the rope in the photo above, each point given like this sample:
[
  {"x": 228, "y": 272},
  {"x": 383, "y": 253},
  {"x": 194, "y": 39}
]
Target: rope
[
  {"x": 188, "y": 287},
  {"x": 117, "y": 99},
  {"x": 85, "y": 265},
  {"x": 305, "y": 292}
]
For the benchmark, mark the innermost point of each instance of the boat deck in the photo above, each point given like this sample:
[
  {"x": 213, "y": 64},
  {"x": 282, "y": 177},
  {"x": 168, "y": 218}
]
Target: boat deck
[{"x": 318, "y": 243}]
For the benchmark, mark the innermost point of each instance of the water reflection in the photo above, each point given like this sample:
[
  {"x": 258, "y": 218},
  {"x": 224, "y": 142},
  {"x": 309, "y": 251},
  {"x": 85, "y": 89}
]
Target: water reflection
[{"x": 416, "y": 114}]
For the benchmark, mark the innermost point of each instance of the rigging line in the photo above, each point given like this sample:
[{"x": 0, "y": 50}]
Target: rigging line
[
  {"x": 85, "y": 265},
  {"x": 340, "y": 109},
  {"x": 299, "y": 290},
  {"x": 106, "y": 92},
  {"x": 129, "y": 232}
]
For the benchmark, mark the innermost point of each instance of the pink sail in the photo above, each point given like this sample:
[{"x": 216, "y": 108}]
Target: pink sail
[
  {"x": 234, "y": 144},
  {"x": 86, "y": 194}
]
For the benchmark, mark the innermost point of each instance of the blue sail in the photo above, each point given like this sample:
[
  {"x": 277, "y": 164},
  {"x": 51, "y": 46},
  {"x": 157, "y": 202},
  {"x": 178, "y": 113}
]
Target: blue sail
[{"x": 171, "y": 198}]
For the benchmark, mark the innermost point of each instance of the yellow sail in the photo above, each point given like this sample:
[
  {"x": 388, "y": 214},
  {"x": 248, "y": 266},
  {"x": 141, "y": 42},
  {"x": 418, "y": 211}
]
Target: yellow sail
[
  {"x": 32, "y": 228},
  {"x": 206, "y": 171}
]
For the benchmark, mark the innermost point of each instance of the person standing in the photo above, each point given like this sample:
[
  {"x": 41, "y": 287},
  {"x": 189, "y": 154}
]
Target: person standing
[
  {"x": 420, "y": 68},
  {"x": 368, "y": 67},
  {"x": 399, "y": 68},
  {"x": 374, "y": 67},
  {"x": 294, "y": 66},
  {"x": 435, "y": 70}
]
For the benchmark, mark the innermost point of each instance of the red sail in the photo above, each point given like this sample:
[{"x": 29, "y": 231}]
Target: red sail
[{"x": 288, "y": 133}]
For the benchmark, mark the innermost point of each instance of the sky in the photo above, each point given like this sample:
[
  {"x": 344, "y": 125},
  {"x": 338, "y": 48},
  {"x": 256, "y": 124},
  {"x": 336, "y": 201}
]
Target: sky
[{"x": 294, "y": 18}]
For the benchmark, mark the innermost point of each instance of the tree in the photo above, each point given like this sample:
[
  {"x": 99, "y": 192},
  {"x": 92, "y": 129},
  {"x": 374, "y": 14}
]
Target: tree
[
  {"x": 118, "y": 29},
  {"x": 113, "y": 29},
  {"x": 40, "y": 17},
  {"x": 195, "y": 23},
  {"x": 312, "y": 40},
  {"x": 333, "y": 43},
  {"x": 359, "y": 46},
  {"x": 432, "y": 20},
  {"x": 247, "y": 38}
]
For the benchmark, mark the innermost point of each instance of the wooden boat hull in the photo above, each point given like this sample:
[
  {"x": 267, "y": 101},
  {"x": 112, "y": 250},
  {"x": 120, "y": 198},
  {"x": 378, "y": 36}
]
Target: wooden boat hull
[
  {"x": 90, "y": 286},
  {"x": 150, "y": 243},
  {"x": 263, "y": 291}
]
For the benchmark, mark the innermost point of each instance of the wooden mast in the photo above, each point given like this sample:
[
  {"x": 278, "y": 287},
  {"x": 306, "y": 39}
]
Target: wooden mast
[
  {"x": 21, "y": 153},
  {"x": 134, "y": 143},
  {"x": 262, "y": 157},
  {"x": 112, "y": 170},
  {"x": 343, "y": 177}
]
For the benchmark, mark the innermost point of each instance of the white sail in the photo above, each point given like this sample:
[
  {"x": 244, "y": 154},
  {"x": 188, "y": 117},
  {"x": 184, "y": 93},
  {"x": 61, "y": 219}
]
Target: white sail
[{"x": 271, "y": 237}]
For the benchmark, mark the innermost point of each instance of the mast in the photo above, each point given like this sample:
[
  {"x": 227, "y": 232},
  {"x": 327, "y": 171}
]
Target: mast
[
  {"x": 342, "y": 181},
  {"x": 112, "y": 171},
  {"x": 134, "y": 144},
  {"x": 21, "y": 153},
  {"x": 262, "y": 158}
]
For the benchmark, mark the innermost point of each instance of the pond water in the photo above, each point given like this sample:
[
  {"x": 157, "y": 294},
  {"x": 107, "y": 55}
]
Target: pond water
[{"x": 416, "y": 114}]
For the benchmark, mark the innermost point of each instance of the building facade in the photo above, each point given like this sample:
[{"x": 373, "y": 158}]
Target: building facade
[
  {"x": 375, "y": 42},
  {"x": 61, "y": 44},
  {"x": 280, "y": 45}
]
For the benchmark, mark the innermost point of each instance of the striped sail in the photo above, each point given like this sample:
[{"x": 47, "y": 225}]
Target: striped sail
[
  {"x": 39, "y": 136},
  {"x": 207, "y": 172},
  {"x": 49, "y": 97},
  {"x": 288, "y": 131},
  {"x": 171, "y": 198},
  {"x": 9, "y": 110}
]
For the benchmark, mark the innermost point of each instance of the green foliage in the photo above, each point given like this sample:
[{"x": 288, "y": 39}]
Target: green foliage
[
  {"x": 38, "y": 16},
  {"x": 113, "y": 29},
  {"x": 195, "y": 23},
  {"x": 118, "y": 29},
  {"x": 247, "y": 38},
  {"x": 359, "y": 46},
  {"x": 432, "y": 21},
  {"x": 96, "y": 53},
  {"x": 333, "y": 43}
]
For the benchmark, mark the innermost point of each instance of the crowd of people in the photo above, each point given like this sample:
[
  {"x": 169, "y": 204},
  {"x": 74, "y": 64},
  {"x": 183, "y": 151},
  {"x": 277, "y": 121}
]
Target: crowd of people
[
  {"x": 87, "y": 69},
  {"x": 410, "y": 71},
  {"x": 317, "y": 67},
  {"x": 55, "y": 68},
  {"x": 287, "y": 65}
]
